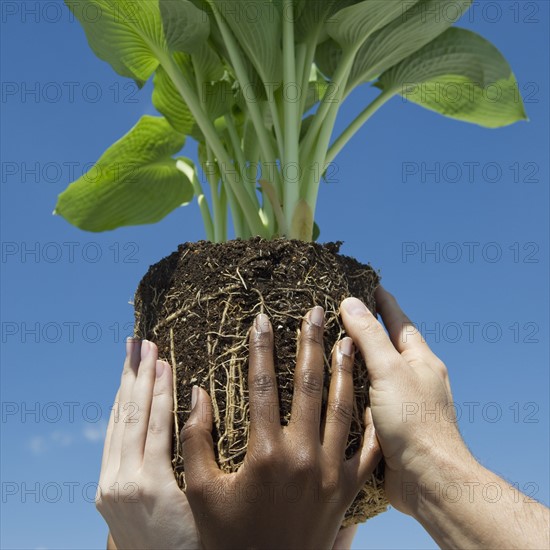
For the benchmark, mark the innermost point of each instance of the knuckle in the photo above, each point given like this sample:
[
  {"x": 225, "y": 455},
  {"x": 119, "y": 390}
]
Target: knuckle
[
  {"x": 440, "y": 367},
  {"x": 339, "y": 411},
  {"x": 189, "y": 431},
  {"x": 101, "y": 498},
  {"x": 263, "y": 383},
  {"x": 310, "y": 383},
  {"x": 268, "y": 458},
  {"x": 368, "y": 326},
  {"x": 127, "y": 371},
  {"x": 156, "y": 428},
  {"x": 305, "y": 463},
  {"x": 268, "y": 453},
  {"x": 125, "y": 490},
  {"x": 261, "y": 341},
  {"x": 330, "y": 481},
  {"x": 312, "y": 334},
  {"x": 160, "y": 390},
  {"x": 106, "y": 495},
  {"x": 344, "y": 364}
]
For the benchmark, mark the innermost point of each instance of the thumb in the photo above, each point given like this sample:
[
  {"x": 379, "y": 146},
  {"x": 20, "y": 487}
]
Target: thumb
[
  {"x": 197, "y": 445},
  {"x": 370, "y": 337}
]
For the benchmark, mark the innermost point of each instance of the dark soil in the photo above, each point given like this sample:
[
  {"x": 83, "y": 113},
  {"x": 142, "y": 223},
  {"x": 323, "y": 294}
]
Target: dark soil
[{"x": 198, "y": 304}]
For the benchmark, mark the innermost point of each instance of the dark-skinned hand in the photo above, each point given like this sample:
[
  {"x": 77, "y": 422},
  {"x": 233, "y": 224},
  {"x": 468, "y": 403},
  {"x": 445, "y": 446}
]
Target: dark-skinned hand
[{"x": 295, "y": 484}]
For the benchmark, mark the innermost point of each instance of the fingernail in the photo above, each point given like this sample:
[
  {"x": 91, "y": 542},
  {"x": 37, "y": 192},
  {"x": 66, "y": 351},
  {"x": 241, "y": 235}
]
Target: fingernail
[
  {"x": 160, "y": 368},
  {"x": 194, "y": 396},
  {"x": 353, "y": 306},
  {"x": 346, "y": 347},
  {"x": 145, "y": 348},
  {"x": 317, "y": 316},
  {"x": 261, "y": 322}
]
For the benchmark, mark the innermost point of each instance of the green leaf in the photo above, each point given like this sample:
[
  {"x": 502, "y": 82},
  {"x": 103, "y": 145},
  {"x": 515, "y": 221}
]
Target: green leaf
[
  {"x": 257, "y": 27},
  {"x": 328, "y": 56},
  {"x": 250, "y": 138},
  {"x": 126, "y": 33},
  {"x": 403, "y": 36},
  {"x": 306, "y": 123},
  {"x": 168, "y": 101},
  {"x": 351, "y": 26},
  {"x": 218, "y": 98},
  {"x": 211, "y": 66},
  {"x": 135, "y": 181},
  {"x": 186, "y": 27},
  {"x": 311, "y": 17},
  {"x": 316, "y": 232},
  {"x": 460, "y": 75}
]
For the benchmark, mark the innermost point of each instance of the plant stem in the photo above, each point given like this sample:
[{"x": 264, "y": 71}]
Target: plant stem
[
  {"x": 302, "y": 91},
  {"x": 238, "y": 223},
  {"x": 244, "y": 81},
  {"x": 239, "y": 155},
  {"x": 196, "y": 182},
  {"x": 223, "y": 208},
  {"x": 191, "y": 174},
  {"x": 330, "y": 102},
  {"x": 211, "y": 175},
  {"x": 356, "y": 124},
  {"x": 306, "y": 70},
  {"x": 241, "y": 228},
  {"x": 291, "y": 116},
  {"x": 276, "y": 121},
  {"x": 253, "y": 164},
  {"x": 323, "y": 140},
  {"x": 187, "y": 93}
]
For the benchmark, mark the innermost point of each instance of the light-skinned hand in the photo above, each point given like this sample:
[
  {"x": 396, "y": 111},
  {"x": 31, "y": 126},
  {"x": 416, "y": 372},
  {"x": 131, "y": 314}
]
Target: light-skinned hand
[
  {"x": 138, "y": 495},
  {"x": 406, "y": 378}
]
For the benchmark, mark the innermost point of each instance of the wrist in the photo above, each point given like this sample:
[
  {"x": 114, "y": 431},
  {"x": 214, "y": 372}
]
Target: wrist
[{"x": 441, "y": 478}]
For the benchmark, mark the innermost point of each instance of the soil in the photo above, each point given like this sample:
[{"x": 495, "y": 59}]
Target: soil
[{"x": 198, "y": 304}]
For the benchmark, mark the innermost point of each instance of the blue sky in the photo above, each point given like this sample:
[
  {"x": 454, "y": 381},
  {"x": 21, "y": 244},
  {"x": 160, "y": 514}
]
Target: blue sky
[{"x": 455, "y": 217}]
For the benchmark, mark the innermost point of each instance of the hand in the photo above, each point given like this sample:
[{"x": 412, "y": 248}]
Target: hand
[
  {"x": 410, "y": 396},
  {"x": 413, "y": 412},
  {"x": 138, "y": 495},
  {"x": 294, "y": 485}
]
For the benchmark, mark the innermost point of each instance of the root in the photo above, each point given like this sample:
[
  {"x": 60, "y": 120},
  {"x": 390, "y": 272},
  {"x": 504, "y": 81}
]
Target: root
[{"x": 198, "y": 306}]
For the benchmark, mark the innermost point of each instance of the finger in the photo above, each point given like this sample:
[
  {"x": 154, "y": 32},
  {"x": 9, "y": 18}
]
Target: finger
[
  {"x": 405, "y": 337},
  {"x": 137, "y": 420},
  {"x": 340, "y": 401},
  {"x": 123, "y": 405},
  {"x": 265, "y": 424},
  {"x": 369, "y": 336},
  {"x": 158, "y": 445},
  {"x": 197, "y": 445},
  {"x": 308, "y": 376},
  {"x": 363, "y": 463},
  {"x": 108, "y": 436}
]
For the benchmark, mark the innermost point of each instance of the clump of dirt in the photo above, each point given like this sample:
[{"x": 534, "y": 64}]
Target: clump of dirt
[{"x": 198, "y": 304}]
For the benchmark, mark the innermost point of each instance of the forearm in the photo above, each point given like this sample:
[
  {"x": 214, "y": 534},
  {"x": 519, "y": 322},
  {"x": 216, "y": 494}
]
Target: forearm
[{"x": 463, "y": 505}]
